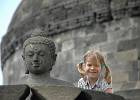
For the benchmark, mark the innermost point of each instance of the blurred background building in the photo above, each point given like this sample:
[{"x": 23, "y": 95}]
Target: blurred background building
[{"x": 112, "y": 26}]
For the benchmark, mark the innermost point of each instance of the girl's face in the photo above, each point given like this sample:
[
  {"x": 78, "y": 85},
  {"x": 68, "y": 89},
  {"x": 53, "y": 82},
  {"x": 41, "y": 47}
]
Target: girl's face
[{"x": 92, "y": 67}]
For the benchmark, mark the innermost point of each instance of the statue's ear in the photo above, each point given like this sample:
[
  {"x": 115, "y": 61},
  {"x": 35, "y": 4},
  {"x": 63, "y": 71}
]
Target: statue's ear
[
  {"x": 23, "y": 57},
  {"x": 27, "y": 71},
  {"x": 55, "y": 56},
  {"x": 54, "y": 59}
]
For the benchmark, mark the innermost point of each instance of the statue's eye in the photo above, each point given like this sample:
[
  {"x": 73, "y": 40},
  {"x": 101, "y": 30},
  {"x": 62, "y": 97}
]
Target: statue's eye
[
  {"x": 41, "y": 53},
  {"x": 30, "y": 54}
]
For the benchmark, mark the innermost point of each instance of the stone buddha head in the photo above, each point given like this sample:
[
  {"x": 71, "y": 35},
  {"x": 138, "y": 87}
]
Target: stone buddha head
[{"x": 39, "y": 53}]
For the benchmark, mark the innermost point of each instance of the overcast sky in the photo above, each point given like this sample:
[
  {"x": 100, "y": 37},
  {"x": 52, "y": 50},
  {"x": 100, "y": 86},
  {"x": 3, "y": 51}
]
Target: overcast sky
[{"x": 7, "y": 9}]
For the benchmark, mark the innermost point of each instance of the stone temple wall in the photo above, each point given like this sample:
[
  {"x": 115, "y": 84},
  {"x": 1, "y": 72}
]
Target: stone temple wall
[{"x": 112, "y": 26}]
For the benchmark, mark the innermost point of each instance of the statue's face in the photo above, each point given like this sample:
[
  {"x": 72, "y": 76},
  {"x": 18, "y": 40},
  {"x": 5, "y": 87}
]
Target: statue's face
[{"x": 37, "y": 58}]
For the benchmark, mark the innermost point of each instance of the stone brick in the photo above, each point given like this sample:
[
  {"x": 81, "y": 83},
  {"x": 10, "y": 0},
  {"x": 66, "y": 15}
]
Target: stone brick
[
  {"x": 124, "y": 66},
  {"x": 79, "y": 52},
  {"x": 79, "y": 33},
  {"x": 137, "y": 85},
  {"x": 135, "y": 32},
  {"x": 110, "y": 56},
  {"x": 79, "y": 43},
  {"x": 128, "y": 44},
  {"x": 14, "y": 69},
  {"x": 99, "y": 4},
  {"x": 58, "y": 14},
  {"x": 14, "y": 92},
  {"x": 129, "y": 55},
  {"x": 134, "y": 75},
  {"x": 119, "y": 30},
  {"x": 108, "y": 46},
  {"x": 68, "y": 45},
  {"x": 95, "y": 29},
  {"x": 118, "y": 8},
  {"x": 128, "y": 85},
  {"x": 58, "y": 47},
  {"x": 119, "y": 76},
  {"x": 133, "y": 7},
  {"x": 139, "y": 69},
  {"x": 117, "y": 86},
  {"x": 64, "y": 67},
  {"x": 74, "y": 11},
  {"x": 96, "y": 38},
  {"x": 129, "y": 94}
]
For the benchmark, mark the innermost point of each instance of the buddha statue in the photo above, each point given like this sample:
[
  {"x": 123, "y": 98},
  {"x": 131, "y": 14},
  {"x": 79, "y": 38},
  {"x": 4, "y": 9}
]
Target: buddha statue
[{"x": 39, "y": 56}]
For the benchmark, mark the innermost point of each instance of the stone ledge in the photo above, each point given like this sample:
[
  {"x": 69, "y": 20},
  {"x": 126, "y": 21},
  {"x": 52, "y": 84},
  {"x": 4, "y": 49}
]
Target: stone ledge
[
  {"x": 133, "y": 94},
  {"x": 14, "y": 92},
  {"x": 22, "y": 92},
  {"x": 71, "y": 93}
]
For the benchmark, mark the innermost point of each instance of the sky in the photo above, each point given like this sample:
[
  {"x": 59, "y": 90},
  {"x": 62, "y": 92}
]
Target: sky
[{"x": 7, "y": 9}]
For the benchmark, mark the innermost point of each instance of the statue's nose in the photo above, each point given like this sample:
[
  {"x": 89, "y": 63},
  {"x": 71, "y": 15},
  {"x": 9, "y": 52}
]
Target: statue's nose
[{"x": 35, "y": 58}]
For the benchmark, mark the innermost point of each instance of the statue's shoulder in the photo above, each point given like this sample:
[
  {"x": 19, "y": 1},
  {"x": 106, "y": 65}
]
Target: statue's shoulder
[{"x": 23, "y": 79}]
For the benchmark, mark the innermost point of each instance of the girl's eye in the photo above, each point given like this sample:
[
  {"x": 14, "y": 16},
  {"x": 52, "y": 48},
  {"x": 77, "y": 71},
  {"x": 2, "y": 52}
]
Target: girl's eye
[
  {"x": 96, "y": 66},
  {"x": 89, "y": 65}
]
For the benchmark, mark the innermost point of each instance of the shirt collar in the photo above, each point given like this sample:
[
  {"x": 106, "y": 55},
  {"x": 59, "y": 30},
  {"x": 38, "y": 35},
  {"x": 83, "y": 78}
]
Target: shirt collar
[{"x": 92, "y": 86}]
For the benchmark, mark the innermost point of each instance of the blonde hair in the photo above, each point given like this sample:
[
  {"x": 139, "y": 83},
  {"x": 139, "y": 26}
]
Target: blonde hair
[{"x": 101, "y": 60}]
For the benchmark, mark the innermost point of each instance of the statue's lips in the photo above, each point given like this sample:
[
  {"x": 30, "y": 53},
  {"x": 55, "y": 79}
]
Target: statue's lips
[{"x": 36, "y": 65}]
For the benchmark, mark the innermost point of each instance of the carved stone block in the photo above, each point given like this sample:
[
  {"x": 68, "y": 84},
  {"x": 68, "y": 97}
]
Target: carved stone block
[
  {"x": 133, "y": 7},
  {"x": 14, "y": 92},
  {"x": 71, "y": 93}
]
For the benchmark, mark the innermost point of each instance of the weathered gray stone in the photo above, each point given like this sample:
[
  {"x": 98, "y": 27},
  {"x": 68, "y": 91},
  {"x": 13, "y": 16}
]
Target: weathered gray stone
[
  {"x": 70, "y": 93},
  {"x": 132, "y": 94},
  {"x": 129, "y": 55},
  {"x": 14, "y": 69},
  {"x": 134, "y": 75},
  {"x": 128, "y": 44},
  {"x": 128, "y": 86},
  {"x": 117, "y": 74},
  {"x": 57, "y": 92},
  {"x": 14, "y": 92},
  {"x": 116, "y": 5},
  {"x": 62, "y": 23},
  {"x": 67, "y": 45},
  {"x": 96, "y": 38},
  {"x": 95, "y": 29},
  {"x": 135, "y": 32},
  {"x": 108, "y": 46},
  {"x": 79, "y": 43}
]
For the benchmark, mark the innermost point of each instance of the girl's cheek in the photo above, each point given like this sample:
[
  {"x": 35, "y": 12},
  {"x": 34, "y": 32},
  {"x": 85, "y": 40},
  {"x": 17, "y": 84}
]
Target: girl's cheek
[
  {"x": 86, "y": 69},
  {"x": 99, "y": 69}
]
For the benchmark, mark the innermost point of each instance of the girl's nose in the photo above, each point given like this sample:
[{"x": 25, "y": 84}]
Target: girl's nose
[{"x": 92, "y": 67}]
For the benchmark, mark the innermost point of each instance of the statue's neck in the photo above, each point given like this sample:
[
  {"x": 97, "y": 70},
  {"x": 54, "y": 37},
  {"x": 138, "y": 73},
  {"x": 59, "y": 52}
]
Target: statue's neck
[{"x": 39, "y": 76}]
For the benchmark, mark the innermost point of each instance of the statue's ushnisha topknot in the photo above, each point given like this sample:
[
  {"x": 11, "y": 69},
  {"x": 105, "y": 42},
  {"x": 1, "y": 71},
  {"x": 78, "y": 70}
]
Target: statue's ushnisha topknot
[{"x": 40, "y": 37}]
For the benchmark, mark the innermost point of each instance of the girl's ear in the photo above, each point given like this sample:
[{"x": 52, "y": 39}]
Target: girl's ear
[{"x": 81, "y": 69}]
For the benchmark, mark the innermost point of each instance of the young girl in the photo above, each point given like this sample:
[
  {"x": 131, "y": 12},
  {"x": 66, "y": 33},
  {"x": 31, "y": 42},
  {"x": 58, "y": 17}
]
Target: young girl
[{"x": 91, "y": 71}]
